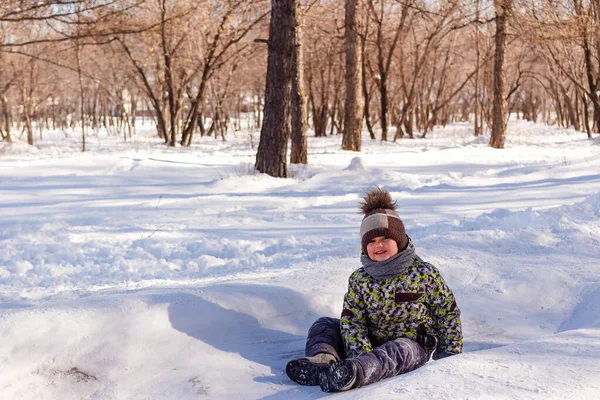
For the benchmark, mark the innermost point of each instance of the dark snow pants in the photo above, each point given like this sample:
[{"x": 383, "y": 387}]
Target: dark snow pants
[{"x": 393, "y": 358}]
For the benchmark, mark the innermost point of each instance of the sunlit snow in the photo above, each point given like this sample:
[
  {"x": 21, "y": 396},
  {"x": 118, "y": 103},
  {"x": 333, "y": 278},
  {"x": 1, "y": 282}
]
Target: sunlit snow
[{"x": 138, "y": 271}]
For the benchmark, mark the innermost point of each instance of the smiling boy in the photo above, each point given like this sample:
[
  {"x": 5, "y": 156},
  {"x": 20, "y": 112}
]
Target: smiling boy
[
  {"x": 381, "y": 248},
  {"x": 398, "y": 311}
]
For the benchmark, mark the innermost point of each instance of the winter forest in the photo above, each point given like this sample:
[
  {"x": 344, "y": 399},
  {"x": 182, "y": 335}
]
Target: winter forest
[
  {"x": 196, "y": 68},
  {"x": 180, "y": 184}
]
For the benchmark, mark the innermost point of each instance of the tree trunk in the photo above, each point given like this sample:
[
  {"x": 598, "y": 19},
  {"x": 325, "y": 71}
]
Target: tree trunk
[
  {"x": 168, "y": 78},
  {"x": 572, "y": 117},
  {"x": 353, "y": 108},
  {"x": 593, "y": 84},
  {"x": 476, "y": 122},
  {"x": 133, "y": 115},
  {"x": 272, "y": 148},
  {"x": 586, "y": 115},
  {"x": 81, "y": 94},
  {"x": 382, "y": 86},
  {"x": 299, "y": 114},
  {"x": 503, "y": 8},
  {"x": 96, "y": 96},
  {"x": 556, "y": 97},
  {"x": 333, "y": 111},
  {"x": 27, "y": 112},
  {"x": 7, "y": 120},
  {"x": 409, "y": 122},
  {"x": 365, "y": 89},
  {"x": 195, "y": 115}
]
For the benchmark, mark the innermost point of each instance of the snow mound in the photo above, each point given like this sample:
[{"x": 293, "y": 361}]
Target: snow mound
[
  {"x": 356, "y": 164},
  {"x": 480, "y": 140},
  {"x": 17, "y": 148},
  {"x": 563, "y": 219},
  {"x": 586, "y": 314}
]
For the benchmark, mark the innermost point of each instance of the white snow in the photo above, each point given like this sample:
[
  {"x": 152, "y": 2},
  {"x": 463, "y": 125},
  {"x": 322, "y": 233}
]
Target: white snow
[{"x": 137, "y": 271}]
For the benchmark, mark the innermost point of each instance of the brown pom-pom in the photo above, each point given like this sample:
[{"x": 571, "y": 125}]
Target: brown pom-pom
[{"x": 377, "y": 198}]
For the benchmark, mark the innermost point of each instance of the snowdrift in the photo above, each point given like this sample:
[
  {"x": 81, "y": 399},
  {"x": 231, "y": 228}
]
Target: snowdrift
[{"x": 135, "y": 271}]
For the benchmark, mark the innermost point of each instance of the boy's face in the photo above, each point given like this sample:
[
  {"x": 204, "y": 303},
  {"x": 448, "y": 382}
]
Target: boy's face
[{"x": 382, "y": 248}]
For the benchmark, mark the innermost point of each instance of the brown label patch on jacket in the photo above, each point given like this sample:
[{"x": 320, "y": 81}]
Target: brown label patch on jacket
[{"x": 408, "y": 296}]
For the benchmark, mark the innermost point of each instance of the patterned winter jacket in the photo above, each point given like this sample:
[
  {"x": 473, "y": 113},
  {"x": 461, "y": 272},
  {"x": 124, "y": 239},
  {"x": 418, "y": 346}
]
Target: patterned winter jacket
[{"x": 376, "y": 311}]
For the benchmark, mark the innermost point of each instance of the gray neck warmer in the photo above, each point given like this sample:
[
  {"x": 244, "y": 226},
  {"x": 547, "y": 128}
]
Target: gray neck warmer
[{"x": 392, "y": 267}]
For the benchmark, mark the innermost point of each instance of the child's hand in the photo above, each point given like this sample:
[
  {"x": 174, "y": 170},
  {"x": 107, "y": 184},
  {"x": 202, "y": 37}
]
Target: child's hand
[{"x": 424, "y": 339}]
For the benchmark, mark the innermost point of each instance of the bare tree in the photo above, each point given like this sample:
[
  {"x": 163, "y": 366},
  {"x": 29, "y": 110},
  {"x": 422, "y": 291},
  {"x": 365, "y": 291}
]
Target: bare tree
[
  {"x": 477, "y": 123},
  {"x": 176, "y": 69},
  {"x": 427, "y": 30},
  {"x": 353, "y": 107},
  {"x": 385, "y": 52},
  {"x": 324, "y": 65},
  {"x": 190, "y": 68},
  {"x": 271, "y": 157},
  {"x": 8, "y": 77},
  {"x": 223, "y": 45},
  {"x": 503, "y": 10},
  {"x": 299, "y": 153}
]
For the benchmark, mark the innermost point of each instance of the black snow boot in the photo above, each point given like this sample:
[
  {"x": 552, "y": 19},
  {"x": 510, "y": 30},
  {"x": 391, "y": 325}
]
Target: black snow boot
[
  {"x": 339, "y": 377},
  {"x": 305, "y": 371}
]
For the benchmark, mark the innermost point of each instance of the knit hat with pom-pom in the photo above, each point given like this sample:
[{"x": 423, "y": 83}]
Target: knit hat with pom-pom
[{"x": 381, "y": 219}]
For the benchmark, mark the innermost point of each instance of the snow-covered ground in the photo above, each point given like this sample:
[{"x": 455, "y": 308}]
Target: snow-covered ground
[{"x": 135, "y": 271}]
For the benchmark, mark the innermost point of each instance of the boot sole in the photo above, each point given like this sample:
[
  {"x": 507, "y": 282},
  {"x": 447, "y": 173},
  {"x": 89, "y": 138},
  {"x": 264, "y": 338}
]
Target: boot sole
[
  {"x": 304, "y": 372},
  {"x": 337, "y": 378}
]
